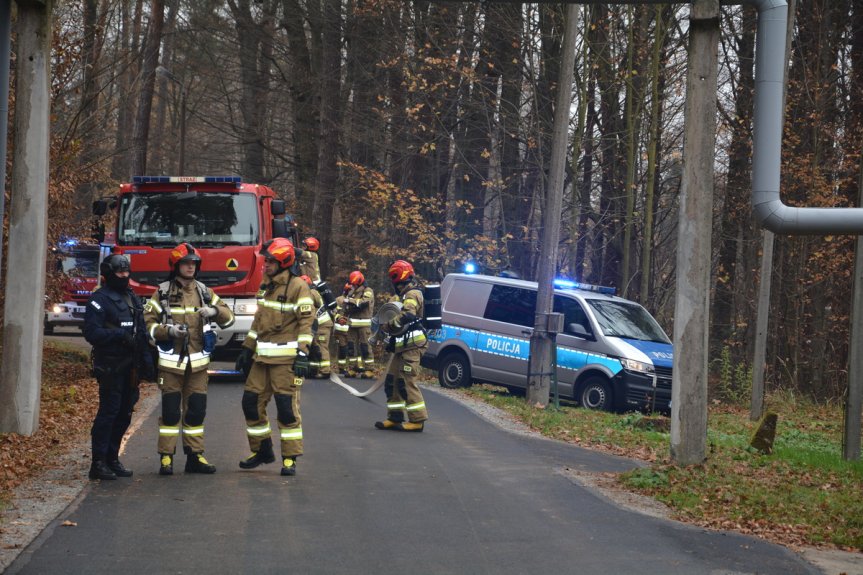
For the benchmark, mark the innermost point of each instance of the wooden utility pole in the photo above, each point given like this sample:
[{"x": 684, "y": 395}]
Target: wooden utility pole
[
  {"x": 691, "y": 311},
  {"x": 21, "y": 370},
  {"x": 541, "y": 341}
]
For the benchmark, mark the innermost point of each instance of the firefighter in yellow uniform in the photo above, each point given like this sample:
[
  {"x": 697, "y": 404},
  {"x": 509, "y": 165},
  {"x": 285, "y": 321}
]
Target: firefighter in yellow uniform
[
  {"x": 360, "y": 306},
  {"x": 308, "y": 259},
  {"x": 341, "y": 331},
  {"x": 179, "y": 317},
  {"x": 403, "y": 393},
  {"x": 320, "y": 350},
  {"x": 275, "y": 357}
]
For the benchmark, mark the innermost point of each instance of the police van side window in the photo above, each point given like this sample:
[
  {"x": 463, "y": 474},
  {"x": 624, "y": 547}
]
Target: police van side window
[
  {"x": 572, "y": 312},
  {"x": 511, "y": 305}
]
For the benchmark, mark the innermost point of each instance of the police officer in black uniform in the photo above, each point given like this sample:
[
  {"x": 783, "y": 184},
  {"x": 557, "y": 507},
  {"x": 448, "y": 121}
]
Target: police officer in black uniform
[{"x": 114, "y": 326}]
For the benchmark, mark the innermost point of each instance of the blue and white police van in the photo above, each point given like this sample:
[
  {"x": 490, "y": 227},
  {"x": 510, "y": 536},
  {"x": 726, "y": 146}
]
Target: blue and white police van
[{"x": 611, "y": 354}]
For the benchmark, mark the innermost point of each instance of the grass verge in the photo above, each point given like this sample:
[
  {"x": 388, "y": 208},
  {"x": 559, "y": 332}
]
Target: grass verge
[{"x": 802, "y": 494}]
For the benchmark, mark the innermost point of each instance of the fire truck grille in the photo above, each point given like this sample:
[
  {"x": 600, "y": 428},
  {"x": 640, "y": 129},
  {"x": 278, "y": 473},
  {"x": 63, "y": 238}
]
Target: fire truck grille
[{"x": 210, "y": 279}]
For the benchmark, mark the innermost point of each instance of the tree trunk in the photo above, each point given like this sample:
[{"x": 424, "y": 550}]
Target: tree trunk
[
  {"x": 327, "y": 176},
  {"x": 141, "y": 132}
]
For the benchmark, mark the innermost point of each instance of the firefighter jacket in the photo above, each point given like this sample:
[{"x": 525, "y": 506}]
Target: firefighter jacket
[
  {"x": 323, "y": 319},
  {"x": 176, "y": 303},
  {"x": 411, "y": 316},
  {"x": 308, "y": 261},
  {"x": 283, "y": 322},
  {"x": 114, "y": 326},
  {"x": 359, "y": 306}
]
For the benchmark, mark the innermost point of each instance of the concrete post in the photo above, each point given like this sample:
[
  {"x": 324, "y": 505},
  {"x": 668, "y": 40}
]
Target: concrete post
[
  {"x": 21, "y": 371},
  {"x": 542, "y": 347},
  {"x": 691, "y": 312}
]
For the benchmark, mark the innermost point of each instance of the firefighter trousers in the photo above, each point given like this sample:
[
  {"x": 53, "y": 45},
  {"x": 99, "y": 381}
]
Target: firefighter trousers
[
  {"x": 184, "y": 406},
  {"x": 265, "y": 382},
  {"x": 403, "y": 393},
  {"x": 363, "y": 358},
  {"x": 321, "y": 364}
]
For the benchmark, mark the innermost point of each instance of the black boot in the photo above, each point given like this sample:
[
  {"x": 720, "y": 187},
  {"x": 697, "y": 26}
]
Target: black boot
[
  {"x": 100, "y": 470},
  {"x": 118, "y": 468},
  {"x": 166, "y": 464},
  {"x": 195, "y": 463},
  {"x": 289, "y": 466},
  {"x": 264, "y": 454}
]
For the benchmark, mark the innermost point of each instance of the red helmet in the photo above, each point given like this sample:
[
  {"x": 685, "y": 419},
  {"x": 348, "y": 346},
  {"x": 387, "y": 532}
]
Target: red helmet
[
  {"x": 400, "y": 271},
  {"x": 356, "y": 278},
  {"x": 312, "y": 244},
  {"x": 183, "y": 254},
  {"x": 281, "y": 250},
  {"x": 307, "y": 279}
]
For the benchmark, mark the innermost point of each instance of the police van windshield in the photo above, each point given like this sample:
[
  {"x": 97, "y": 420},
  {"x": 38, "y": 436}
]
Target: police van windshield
[
  {"x": 626, "y": 320},
  {"x": 206, "y": 220}
]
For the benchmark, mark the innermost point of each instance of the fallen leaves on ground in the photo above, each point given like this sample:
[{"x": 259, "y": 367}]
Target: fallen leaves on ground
[{"x": 69, "y": 399}]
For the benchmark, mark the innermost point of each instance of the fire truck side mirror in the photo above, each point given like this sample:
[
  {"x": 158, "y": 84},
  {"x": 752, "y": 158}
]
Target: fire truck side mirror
[
  {"x": 280, "y": 229},
  {"x": 277, "y": 207},
  {"x": 100, "y": 207}
]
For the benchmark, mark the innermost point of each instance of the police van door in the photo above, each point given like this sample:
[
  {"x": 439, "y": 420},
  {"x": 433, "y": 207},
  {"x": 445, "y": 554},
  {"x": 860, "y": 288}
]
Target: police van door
[
  {"x": 503, "y": 347},
  {"x": 575, "y": 344}
]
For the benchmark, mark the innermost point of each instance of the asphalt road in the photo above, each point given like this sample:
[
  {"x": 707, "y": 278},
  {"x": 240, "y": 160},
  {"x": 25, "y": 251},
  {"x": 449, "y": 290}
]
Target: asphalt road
[{"x": 461, "y": 497}]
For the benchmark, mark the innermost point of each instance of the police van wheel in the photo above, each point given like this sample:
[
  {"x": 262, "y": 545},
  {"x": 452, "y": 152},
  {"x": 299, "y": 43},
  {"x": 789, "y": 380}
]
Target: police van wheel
[
  {"x": 454, "y": 371},
  {"x": 595, "y": 393},
  {"x": 48, "y": 329}
]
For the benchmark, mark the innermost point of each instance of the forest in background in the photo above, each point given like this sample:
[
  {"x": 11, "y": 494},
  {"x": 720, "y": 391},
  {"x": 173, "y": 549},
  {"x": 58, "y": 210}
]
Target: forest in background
[{"x": 422, "y": 130}]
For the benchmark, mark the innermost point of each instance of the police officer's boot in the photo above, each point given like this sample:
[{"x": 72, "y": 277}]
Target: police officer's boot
[
  {"x": 264, "y": 454},
  {"x": 99, "y": 470},
  {"x": 195, "y": 463},
  {"x": 166, "y": 464},
  {"x": 118, "y": 468},
  {"x": 289, "y": 466}
]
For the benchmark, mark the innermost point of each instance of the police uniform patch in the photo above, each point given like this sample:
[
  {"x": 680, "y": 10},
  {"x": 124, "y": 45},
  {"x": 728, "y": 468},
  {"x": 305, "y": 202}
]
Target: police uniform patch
[{"x": 95, "y": 305}]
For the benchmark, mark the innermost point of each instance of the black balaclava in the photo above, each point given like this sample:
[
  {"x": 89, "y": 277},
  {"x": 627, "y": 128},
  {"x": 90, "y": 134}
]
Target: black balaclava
[{"x": 116, "y": 283}]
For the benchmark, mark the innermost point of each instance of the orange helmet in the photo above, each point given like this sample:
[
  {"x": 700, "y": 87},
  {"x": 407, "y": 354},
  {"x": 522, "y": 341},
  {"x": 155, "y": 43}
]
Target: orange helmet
[
  {"x": 183, "y": 254},
  {"x": 347, "y": 288},
  {"x": 281, "y": 250},
  {"x": 307, "y": 279},
  {"x": 312, "y": 244},
  {"x": 400, "y": 271},
  {"x": 356, "y": 278}
]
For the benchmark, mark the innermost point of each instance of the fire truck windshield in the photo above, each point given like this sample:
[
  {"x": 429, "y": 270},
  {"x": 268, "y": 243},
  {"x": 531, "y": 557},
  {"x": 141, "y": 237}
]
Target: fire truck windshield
[
  {"x": 206, "y": 220},
  {"x": 80, "y": 262}
]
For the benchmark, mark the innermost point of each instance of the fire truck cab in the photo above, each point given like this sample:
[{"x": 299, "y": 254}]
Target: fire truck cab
[
  {"x": 79, "y": 264},
  {"x": 225, "y": 219}
]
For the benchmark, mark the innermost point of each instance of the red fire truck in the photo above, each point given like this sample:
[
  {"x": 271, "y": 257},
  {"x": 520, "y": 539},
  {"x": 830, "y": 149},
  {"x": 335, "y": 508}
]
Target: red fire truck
[
  {"x": 79, "y": 264},
  {"x": 226, "y": 219}
]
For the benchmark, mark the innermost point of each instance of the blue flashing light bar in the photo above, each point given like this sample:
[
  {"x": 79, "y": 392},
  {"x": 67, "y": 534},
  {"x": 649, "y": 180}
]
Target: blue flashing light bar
[
  {"x": 470, "y": 268},
  {"x": 138, "y": 180},
  {"x": 569, "y": 284}
]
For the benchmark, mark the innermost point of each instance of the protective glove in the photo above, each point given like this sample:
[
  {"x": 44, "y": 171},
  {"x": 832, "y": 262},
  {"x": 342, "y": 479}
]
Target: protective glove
[
  {"x": 244, "y": 361},
  {"x": 176, "y": 331},
  {"x": 208, "y": 312},
  {"x": 302, "y": 365}
]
